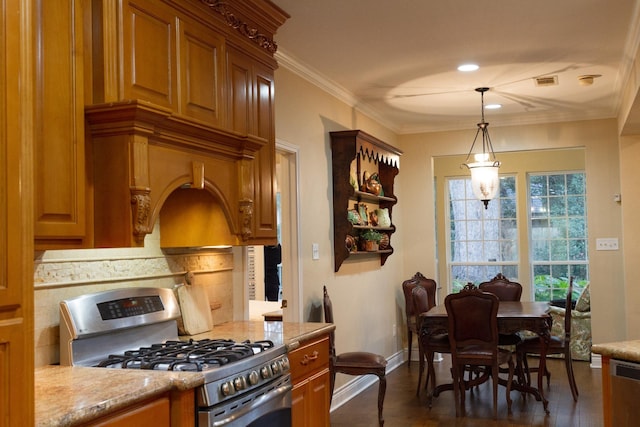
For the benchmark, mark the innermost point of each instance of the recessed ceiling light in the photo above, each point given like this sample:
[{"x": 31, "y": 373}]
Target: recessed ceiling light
[
  {"x": 468, "y": 67},
  {"x": 492, "y": 106}
]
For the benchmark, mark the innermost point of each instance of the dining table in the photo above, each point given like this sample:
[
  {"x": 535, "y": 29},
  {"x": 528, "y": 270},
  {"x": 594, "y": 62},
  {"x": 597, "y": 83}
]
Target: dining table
[{"x": 513, "y": 317}]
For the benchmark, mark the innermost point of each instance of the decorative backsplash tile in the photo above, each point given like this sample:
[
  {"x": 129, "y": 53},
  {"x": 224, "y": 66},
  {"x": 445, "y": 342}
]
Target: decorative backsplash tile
[{"x": 60, "y": 275}]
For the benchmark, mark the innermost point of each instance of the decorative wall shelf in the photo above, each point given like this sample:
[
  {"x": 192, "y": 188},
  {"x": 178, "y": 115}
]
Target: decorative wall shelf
[{"x": 356, "y": 156}]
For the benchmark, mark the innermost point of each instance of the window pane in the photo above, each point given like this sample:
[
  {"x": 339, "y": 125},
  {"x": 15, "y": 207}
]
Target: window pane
[
  {"x": 559, "y": 249},
  {"x": 578, "y": 249},
  {"x": 540, "y": 250},
  {"x": 576, "y": 205},
  {"x": 557, "y": 206},
  {"x": 575, "y": 183},
  {"x": 577, "y": 227},
  {"x": 538, "y": 186},
  {"x": 556, "y": 185},
  {"x": 539, "y": 207}
]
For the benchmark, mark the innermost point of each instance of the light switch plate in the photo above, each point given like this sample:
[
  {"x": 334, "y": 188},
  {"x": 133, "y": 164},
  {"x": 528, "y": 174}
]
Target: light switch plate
[
  {"x": 315, "y": 251},
  {"x": 607, "y": 244}
]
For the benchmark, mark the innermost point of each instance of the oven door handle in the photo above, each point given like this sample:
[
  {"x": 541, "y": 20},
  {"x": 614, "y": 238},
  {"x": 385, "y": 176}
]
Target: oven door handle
[{"x": 274, "y": 394}]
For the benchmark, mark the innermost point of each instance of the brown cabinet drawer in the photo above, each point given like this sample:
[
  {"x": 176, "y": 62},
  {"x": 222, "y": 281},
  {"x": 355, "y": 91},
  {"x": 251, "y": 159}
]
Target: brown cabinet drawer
[{"x": 309, "y": 358}]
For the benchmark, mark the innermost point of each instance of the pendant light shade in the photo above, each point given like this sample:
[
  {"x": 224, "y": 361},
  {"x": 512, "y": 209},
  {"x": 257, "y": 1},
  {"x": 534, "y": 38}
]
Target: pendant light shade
[{"x": 484, "y": 170}]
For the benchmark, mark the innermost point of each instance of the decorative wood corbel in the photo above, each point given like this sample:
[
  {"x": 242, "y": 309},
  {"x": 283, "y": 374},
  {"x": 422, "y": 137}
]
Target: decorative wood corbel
[
  {"x": 140, "y": 210},
  {"x": 246, "y": 218}
]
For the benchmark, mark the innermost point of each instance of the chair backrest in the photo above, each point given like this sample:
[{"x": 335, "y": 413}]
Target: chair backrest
[
  {"x": 328, "y": 318},
  {"x": 503, "y": 288},
  {"x": 473, "y": 319},
  {"x": 567, "y": 312},
  {"x": 418, "y": 280}
]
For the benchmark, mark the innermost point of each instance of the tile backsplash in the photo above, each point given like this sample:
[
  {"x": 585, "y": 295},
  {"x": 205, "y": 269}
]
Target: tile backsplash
[{"x": 60, "y": 275}]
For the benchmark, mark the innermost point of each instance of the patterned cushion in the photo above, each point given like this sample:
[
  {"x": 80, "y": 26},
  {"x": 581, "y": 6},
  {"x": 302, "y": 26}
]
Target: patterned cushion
[{"x": 584, "y": 301}]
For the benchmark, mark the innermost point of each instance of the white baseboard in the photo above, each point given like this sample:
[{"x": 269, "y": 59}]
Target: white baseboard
[
  {"x": 358, "y": 384},
  {"x": 596, "y": 361}
]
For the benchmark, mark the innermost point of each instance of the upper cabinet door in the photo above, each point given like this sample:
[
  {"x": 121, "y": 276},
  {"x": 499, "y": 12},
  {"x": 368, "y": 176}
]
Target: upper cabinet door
[
  {"x": 60, "y": 201},
  {"x": 201, "y": 72},
  {"x": 149, "y": 55}
]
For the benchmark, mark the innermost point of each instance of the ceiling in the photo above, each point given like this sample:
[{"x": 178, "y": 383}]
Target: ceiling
[{"x": 397, "y": 60}]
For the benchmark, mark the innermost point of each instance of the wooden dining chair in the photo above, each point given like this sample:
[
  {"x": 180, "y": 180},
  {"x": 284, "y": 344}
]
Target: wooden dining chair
[
  {"x": 557, "y": 345},
  {"x": 407, "y": 287},
  {"x": 503, "y": 288},
  {"x": 355, "y": 363},
  {"x": 473, "y": 336},
  {"x": 438, "y": 343}
]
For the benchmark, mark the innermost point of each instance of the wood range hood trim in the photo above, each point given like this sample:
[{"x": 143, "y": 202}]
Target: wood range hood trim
[{"x": 143, "y": 152}]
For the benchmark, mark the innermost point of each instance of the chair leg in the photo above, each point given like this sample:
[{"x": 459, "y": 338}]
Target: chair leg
[
  {"x": 431, "y": 371},
  {"x": 332, "y": 385},
  {"x": 410, "y": 338},
  {"x": 509, "y": 383},
  {"x": 382, "y": 388},
  {"x": 494, "y": 374},
  {"x": 421, "y": 370},
  {"x": 572, "y": 380},
  {"x": 456, "y": 388}
]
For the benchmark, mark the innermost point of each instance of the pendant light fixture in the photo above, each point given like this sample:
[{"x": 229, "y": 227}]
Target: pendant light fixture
[{"x": 484, "y": 170}]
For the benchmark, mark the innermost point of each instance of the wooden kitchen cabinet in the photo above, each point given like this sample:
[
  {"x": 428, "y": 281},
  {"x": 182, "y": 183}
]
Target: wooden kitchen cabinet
[
  {"x": 61, "y": 201},
  {"x": 173, "y": 409},
  {"x": 311, "y": 399},
  {"x": 353, "y": 153},
  {"x": 154, "y": 413},
  {"x": 194, "y": 78},
  {"x": 17, "y": 103},
  {"x": 251, "y": 89}
]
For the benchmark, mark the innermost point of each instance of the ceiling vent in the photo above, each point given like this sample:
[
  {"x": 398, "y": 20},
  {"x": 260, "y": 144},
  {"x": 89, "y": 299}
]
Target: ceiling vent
[{"x": 546, "y": 81}]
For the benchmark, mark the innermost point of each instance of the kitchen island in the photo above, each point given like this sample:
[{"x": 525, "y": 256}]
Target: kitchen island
[
  {"x": 619, "y": 394},
  {"x": 81, "y": 395}
]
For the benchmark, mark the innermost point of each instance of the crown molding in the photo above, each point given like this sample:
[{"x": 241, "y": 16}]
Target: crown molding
[{"x": 304, "y": 71}]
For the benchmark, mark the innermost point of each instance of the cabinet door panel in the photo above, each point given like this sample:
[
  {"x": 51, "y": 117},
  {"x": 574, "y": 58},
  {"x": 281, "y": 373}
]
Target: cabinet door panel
[
  {"x": 239, "y": 88},
  {"x": 201, "y": 69},
  {"x": 60, "y": 201},
  {"x": 152, "y": 414},
  {"x": 149, "y": 53}
]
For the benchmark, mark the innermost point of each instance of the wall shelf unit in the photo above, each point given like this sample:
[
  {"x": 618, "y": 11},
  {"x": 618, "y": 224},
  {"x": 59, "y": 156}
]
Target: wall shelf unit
[{"x": 362, "y": 163}]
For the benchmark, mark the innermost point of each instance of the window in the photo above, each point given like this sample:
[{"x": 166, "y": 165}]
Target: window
[
  {"x": 558, "y": 233},
  {"x": 482, "y": 242}
]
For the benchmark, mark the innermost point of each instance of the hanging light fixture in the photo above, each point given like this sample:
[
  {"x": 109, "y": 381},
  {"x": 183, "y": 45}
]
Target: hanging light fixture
[{"x": 484, "y": 170}]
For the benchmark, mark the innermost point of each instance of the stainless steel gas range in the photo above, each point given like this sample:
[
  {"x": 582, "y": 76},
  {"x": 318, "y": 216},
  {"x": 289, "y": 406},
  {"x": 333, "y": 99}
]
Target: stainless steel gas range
[{"x": 246, "y": 383}]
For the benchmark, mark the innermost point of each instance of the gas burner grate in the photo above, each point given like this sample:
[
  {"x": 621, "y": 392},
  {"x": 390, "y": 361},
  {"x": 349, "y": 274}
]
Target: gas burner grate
[{"x": 191, "y": 355}]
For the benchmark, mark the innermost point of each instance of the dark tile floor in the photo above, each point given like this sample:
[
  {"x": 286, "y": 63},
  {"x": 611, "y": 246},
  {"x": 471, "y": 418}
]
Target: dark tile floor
[{"x": 403, "y": 408}]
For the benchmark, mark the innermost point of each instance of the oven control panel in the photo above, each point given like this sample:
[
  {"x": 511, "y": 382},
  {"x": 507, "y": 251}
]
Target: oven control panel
[{"x": 132, "y": 306}]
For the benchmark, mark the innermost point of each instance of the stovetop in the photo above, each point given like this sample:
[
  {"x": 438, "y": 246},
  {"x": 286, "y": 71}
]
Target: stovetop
[{"x": 191, "y": 355}]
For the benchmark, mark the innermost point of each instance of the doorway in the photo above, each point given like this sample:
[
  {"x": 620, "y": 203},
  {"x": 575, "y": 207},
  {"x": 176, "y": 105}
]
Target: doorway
[{"x": 288, "y": 237}]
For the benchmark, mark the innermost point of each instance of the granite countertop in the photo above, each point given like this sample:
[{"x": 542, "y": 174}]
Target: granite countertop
[
  {"x": 623, "y": 350},
  {"x": 66, "y": 395}
]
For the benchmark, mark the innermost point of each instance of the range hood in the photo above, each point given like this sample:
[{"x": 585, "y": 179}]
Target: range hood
[
  {"x": 180, "y": 120},
  {"x": 143, "y": 153}
]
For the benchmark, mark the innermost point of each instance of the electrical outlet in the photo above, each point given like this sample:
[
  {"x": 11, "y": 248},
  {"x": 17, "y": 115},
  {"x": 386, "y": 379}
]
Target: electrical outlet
[{"x": 607, "y": 244}]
